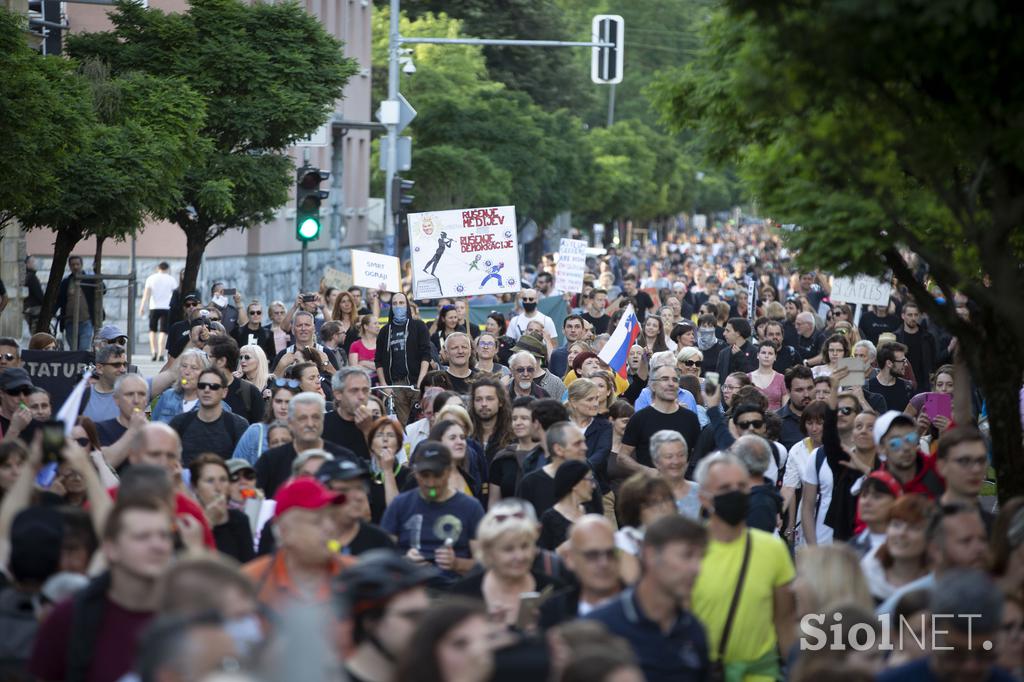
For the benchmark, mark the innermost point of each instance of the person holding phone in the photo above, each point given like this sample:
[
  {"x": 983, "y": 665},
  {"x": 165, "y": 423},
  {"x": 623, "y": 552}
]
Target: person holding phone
[{"x": 229, "y": 303}]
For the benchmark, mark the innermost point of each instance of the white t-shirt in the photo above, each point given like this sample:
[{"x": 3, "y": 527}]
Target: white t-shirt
[
  {"x": 161, "y": 286},
  {"x": 798, "y": 455},
  {"x": 822, "y": 532},
  {"x": 517, "y": 326}
]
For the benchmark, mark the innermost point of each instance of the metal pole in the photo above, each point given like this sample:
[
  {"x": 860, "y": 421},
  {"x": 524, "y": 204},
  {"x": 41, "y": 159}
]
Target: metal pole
[
  {"x": 496, "y": 41},
  {"x": 302, "y": 267},
  {"x": 337, "y": 188},
  {"x": 131, "y": 303},
  {"x": 76, "y": 282},
  {"x": 611, "y": 105},
  {"x": 391, "y": 162}
]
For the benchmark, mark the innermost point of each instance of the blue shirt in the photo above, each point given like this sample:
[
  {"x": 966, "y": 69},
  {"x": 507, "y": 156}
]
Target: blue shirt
[
  {"x": 426, "y": 525},
  {"x": 680, "y": 655}
]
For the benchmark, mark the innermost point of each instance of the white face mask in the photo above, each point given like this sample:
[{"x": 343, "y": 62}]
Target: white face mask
[
  {"x": 246, "y": 632},
  {"x": 220, "y": 300}
]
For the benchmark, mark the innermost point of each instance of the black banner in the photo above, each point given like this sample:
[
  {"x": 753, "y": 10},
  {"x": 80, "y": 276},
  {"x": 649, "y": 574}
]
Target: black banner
[{"x": 57, "y": 371}]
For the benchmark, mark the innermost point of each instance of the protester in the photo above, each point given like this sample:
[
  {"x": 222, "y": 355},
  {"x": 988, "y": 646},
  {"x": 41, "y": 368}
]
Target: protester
[
  {"x": 210, "y": 428},
  {"x": 902, "y": 557},
  {"x": 211, "y": 477},
  {"x": 452, "y": 641},
  {"x": 256, "y": 439},
  {"x": 404, "y": 356}
]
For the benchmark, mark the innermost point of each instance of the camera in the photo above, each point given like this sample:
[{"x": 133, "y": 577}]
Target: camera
[
  {"x": 53, "y": 441},
  {"x": 308, "y": 298},
  {"x": 230, "y": 292}
]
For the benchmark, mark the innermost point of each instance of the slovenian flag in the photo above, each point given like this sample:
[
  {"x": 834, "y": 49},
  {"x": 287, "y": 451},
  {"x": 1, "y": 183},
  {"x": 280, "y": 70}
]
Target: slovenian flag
[{"x": 622, "y": 339}]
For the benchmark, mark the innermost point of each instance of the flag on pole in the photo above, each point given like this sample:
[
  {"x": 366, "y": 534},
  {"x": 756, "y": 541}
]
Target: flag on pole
[
  {"x": 68, "y": 412},
  {"x": 616, "y": 351}
]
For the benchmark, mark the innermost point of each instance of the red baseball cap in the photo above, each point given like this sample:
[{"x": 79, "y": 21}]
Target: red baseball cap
[
  {"x": 888, "y": 480},
  {"x": 304, "y": 493}
]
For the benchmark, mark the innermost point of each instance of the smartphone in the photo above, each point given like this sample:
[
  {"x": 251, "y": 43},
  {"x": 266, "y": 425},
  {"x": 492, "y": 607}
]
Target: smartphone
[
  {"x": 53, "y": 441},
  {"x": 230, "y": 292},
  {"x": 308, "y": 298},
  {"x": 204, "y": 313},
  {"x": 529, "y": 610}
]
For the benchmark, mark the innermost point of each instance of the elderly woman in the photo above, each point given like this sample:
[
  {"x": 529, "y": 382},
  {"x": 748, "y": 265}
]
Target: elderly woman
[
  {"x": 866, "y": 352},
  {"x": 670, "y": 456},
  {"x": 211, "y": 481},
  {"x": 505, "y": 546},
  {"x": 183, "y": 396}
]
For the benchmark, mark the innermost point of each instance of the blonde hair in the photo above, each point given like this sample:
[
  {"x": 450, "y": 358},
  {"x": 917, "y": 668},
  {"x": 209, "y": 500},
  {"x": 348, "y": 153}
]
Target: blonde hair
[
  {"x": 689, "y": 353},
  {"x": 456, "y": 413},
  {"x": 609, "y": 379},
  {"x": 262, "y": 370},
  {"x": 581, "y": 389},
  {"x": 494, "y": 526},
  {"x": 833, "y": 576}
]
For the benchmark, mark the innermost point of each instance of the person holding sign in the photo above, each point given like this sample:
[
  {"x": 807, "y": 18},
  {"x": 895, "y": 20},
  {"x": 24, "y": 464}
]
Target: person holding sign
[{"x": 402, "y": 354}]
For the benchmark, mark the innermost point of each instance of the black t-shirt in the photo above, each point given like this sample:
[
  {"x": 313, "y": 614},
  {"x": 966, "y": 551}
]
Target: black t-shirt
[
  {"x": 252, "y": 407},
  {"x": 872, "y": 325},
  {"x": 369, "y": 537},
  {"x": 275, "y": 466},
  {"x": 346, "y": 434},
  {"x": 915, "y": 344},
  {"x": 504, "y": 472},
  {"x": 197, "y": 437},
  {"x": 649, "y": 421},
  {"x": 809, "y": 347},
  {"x": 109, "y": 431},
  {"x": 600, "y": 323},
  {"x": 554, "y": 529},
  {"x": 234, "y": 537},
  {"x": 896, "y": 396},
  {"x": 538, "y": 489},
  {"x": 644, "y": 302},
  {"x": 461, "y": 385},
  {"x": 261, "y": 336}
]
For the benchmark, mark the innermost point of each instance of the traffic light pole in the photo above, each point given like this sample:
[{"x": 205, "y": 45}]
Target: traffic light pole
[{"x": 395, "y": 43}]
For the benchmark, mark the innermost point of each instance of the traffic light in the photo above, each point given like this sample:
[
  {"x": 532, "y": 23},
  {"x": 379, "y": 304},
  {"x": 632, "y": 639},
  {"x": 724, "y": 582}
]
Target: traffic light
[
  {"x": 400, "y": 197},
  {"x": 606, "y": 62},
  {"x": 308, "y": 196}
]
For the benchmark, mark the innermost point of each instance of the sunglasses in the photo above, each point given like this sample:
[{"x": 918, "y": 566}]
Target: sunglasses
[
  {"x": 255, "y": 312},
  {"x": 9, "y": 357},
  {"x": 84, "y": 442},
  {"x": 524, "y": 370},
  {"x": 846, "y": 411},
  {"x": 289, "y": 383},
  {"x": 23, "y": 391},
  {"x": 909, "y": 439},
  {"x": 202, "y": 385},
  {"x": 752, "y": 424},
  {"x": 247, "y": 474},
  {"x": 690, "y": 363}
]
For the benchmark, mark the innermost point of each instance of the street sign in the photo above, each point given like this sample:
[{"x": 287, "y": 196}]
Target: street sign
[
  {"x": 397, "y": 111},
  {"x": 404, "y": 153},
  {"x": 606, "y": 62},
  {"x": 321, "y": 137}
]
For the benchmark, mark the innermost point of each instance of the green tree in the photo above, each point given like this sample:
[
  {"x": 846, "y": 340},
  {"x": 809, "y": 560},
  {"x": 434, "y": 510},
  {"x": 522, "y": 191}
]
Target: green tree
[
  {"x": 268, "y": 74},
  {"x": 890, "y": 135},
  {"x": 44, "y": 110},
  {"x": 130, "y": 165}
]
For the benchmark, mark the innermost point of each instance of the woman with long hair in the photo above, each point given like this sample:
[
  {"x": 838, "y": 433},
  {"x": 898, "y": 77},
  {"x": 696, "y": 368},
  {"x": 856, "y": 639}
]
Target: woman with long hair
[
  {"x": 652, "y": 335},
  {"x": 451, "y": 643},
  {"x": 255, "y": 441},
  {"x": 346, "y": 312},
  {"x": 183, "y": 396},
  {"x": 447, "y": 323},
  {"x": 903, "y": 557},
  {"x": 363, "y": 351},
  {"x": 496, "y": 324},
  {"x": 606, "y": 388},
  {"x": 74, "y": 484},
  {"x": 253, "y": 367},
  {"x": 506, "y": 469},
  {"x": 211, "y": 481},
  {"x": 835, "y": 348},
  {"x": 278, "y": 314}
]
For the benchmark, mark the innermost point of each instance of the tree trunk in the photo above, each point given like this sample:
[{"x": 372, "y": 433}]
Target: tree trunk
[
  {"x": 97, "y": 292},
  {"x": 195, "y": 245},
  {"x": 62, "y": 247}
]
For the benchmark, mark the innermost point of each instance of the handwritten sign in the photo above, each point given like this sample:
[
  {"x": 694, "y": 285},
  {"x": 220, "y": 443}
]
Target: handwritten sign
[
  {"x": 861, "y": 289},
  {"x": 376, "y": 271},
  {"x": 337, "y": 278},
  {"x": 464, "y": 252},
  {"x": 571, "y": 265}
]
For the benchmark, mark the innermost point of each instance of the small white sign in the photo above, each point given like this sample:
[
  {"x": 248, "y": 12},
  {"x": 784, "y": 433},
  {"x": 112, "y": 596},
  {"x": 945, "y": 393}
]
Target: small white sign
[
  {"x": 861, "y": 289},
  {"x": 376, "y": 271},
  {"x": 571, "y": 265}
]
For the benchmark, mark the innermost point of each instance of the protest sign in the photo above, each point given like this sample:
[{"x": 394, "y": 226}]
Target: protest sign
[
  {"x": 464, "y": 252},
  {"x": 860, "y": 289},
  {"x": 337, "y": 278},
  {"x": 56, "y": 371},
  {"x": 571, "y": 265},
  {"x": 376, "y": 271}
]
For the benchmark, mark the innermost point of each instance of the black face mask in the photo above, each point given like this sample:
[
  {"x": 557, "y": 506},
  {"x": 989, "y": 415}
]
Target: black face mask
[
  {"x": 529, "y": 307},
  {"x": 732, "y": 507}
]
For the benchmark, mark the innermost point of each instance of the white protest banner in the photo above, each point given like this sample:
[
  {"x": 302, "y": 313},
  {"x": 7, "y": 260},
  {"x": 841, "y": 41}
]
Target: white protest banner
[
  {"x": 860, "y": 289},
  {"x": 464, "y": 252},
  {"x": 374, "y": 269},
  {"x": 571, "y": 265},
  {"x": 336, "y": 278}
]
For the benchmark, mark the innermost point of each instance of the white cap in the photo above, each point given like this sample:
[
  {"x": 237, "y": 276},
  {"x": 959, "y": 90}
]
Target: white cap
[{"x": 885, "y": 422}]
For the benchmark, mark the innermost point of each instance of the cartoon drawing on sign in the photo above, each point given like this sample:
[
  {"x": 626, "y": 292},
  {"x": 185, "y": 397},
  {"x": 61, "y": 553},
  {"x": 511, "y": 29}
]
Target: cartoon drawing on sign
[
  {"x": 475, "y": 263},
  {"x": 493, "y": 273},
  {"x": 443, "y": 242}
]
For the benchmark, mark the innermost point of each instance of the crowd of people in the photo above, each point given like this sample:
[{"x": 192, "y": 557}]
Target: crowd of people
[{"x": 772, "y": 485}]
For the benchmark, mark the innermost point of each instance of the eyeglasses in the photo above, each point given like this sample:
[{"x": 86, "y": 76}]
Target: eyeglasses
[
  {"x": 84, "y": 442},
  {"x": 9, "y": 357},
  {"x": 22, "y": 391},
  {"x": 690, "y": 363},
  {"x": 524, "y": 370},
  {"x": 898, "y": 442},
  {"x": 485, "y": 344},
  {"x": 247, "y": 474},
  {"x": 289, "y": 383},
  {"x": 899, "y": 362},
  {"x": 595, "y": 555},
  {"x": 203, "y": 386},
  {"x": 752, "y": 424},
  {"x": 846, "y": 411},
  {"x": 971, "y": 462}
]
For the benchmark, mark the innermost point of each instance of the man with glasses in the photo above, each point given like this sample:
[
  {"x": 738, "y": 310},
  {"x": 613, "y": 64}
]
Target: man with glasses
[
  {"x": 111, "y": 363},
  {"x": 664, "y": 412},
  {"x": 518, "y": 324},
  {"x": 244, "y": 398},
  {"x": 523, "y": 366},
  {"x": 962, "y": 461},
  {"x": 594, "y": 560},
  {"x": 897, "y": 392},
  {"x": 160, "y": 286},
  {"x": 253, "y": 333},
  {"x": 10, "y": 353},
  {"x": 15, "y": 387},
  {"x": 897, "y": 439},
  {"x": 210, "y": 428}
]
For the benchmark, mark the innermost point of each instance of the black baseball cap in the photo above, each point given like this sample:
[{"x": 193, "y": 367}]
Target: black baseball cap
[
  {"x": 431, "y": 456},
  {"x": 341, "y": 470},
  {"x": 13, "y": 378}
]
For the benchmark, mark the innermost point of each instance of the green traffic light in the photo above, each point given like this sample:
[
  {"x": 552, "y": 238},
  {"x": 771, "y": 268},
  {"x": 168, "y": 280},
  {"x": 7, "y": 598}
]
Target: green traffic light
[{"x": 309, "y": 228}]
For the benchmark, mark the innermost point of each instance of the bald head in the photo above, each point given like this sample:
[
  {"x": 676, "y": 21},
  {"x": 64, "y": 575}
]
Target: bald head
[
  {"x": 591, "y": 528},
  {"x": 592, "y": 558},
  {"x": 159, "y": 446}
]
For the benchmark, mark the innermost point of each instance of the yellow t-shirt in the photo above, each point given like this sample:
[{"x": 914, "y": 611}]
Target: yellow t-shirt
[{"x": 753, "y": 626}]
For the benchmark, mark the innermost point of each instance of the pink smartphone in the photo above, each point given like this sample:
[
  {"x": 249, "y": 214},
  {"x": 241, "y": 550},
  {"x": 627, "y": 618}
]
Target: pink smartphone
[{"x": 938, "y": 405}]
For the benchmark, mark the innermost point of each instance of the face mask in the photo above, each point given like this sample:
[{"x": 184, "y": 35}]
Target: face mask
[
  {"x": 529, "y": 307},
  {"x": 399, "y": 313},
  {"x": 729, "y": 293},
  {"x": 220, "y": 300},
  {"x": 732, "y": 507},
  {"x": 246, "y": 632},
  {"x": 705, "y": 338}
]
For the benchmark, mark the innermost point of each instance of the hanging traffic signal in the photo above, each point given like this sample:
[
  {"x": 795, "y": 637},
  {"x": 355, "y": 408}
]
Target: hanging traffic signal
[
  {"x": 400, "y": 197},
  {"x": 308, "y": 197}
]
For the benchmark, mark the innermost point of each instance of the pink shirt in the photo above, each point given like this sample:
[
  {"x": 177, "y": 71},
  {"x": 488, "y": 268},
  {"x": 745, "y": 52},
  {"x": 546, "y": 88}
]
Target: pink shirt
[
  {"x": 362, "y": 352},
  {"x": 774, "y": 391}
]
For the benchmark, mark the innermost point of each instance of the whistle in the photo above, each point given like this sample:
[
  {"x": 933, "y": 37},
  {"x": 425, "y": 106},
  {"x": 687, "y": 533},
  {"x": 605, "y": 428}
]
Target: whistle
[
  {"x": 184, "y": 381},
  {"x": 433, "y": 492}
]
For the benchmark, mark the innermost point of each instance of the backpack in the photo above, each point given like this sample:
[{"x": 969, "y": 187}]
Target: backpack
[{"x": 19, "y": 626}]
